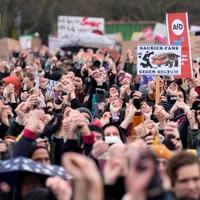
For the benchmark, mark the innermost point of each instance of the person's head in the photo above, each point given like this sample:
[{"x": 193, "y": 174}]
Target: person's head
[
  {"x": 112, "y": 134},
  {"x": 4, "y": 67},
  {"x": 40, "y": 194},
  {"x": 40, "y": 154},
  {"x": 143, "y": 168},
  {"x": 29, "y": 80},
  {"x": 181, "y": 95},
  {"x": 114, "y": 91},
  {"x": 97, "y": 132},
  {"x": 49, "y": 105},
  {"x": 18, "y": 72},
  {"x": 163, "y": 154},
  {"x": 86, "y": 113},
  {"x": 111, "y": 130},
  {"x": 43, "y": 82},
  {"x": 24, "y": 96},
  {"x": 184, "y": 172},
  {"x": 196, "y": 107},
  {"x": 29, "y": 182},
  {"x": 89, "y": 62}
]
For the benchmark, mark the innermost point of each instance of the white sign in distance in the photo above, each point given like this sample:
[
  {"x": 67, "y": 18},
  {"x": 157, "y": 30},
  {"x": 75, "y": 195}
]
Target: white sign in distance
[{"x": 70, "y": 27}]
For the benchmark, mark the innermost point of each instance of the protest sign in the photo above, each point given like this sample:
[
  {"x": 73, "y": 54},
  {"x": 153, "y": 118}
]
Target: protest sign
[
  {"x": 178, "y": 34},
  {"x": 194, "y": 28},
  {"x": 55, "y": 43},
  {"x": 160, "y": 30},
  {"x": 71, "y": 28},
  {"x": 25, "y": 41},
  {"x": 158, "y": 60},
  {"x": 195, "y": 46},
  {"x": 132, "y": 45},
  {"x": 6, "y": 46}
]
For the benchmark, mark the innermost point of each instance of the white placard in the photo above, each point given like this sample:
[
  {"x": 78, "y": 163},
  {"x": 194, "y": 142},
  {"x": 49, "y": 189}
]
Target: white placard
[
  {"x": 158, "y": 60},
  {"x": 160, "y": 30},
  {"x": 194, "y": 28},
  {"x": 55, "y": 43},
  {"x": 25, "y": 41},
  {"x": 71, "y": 27}
]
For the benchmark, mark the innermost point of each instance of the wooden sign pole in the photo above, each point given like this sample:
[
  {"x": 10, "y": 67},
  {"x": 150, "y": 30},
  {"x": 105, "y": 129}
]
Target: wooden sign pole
[{"x": 157, "y": 99}]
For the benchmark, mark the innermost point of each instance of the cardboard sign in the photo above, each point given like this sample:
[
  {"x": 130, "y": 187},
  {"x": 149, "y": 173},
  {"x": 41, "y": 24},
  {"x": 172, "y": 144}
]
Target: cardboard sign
[
  {"x": 195, "y": 46},
  {"x": 71, "y": 27},
  {"x": 6, "y": 46},
  {"x": 178, "y": 34},
  {"x": 132, "y": 45},
  {"x": 158, "y": 60}
]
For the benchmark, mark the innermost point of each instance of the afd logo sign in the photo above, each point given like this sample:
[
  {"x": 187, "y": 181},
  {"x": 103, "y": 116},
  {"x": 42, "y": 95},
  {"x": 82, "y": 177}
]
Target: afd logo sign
[{"x": 177, "y": 27}]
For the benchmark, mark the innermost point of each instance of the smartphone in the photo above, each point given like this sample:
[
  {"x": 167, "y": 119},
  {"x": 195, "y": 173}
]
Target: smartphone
[{"x": 137, "y": 102}]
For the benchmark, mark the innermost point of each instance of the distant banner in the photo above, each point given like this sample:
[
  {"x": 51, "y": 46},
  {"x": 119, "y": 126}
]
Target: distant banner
[
  {"x": 158, "y": 60},
  {"x": 178, "y": 34},
  {"x": 71, "y": 27}
]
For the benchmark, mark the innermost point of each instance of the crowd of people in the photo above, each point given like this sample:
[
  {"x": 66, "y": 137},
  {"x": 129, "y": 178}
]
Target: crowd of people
[{"x": 98, "y": 119}]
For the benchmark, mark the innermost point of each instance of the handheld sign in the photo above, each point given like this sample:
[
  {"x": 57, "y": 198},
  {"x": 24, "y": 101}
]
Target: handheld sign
[
  {"x": 158, "y": 60},
  {"x": 178, "y": 34}
]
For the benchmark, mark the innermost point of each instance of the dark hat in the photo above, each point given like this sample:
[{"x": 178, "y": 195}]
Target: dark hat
[
  {"x": 85, "y": 110},
  {"x": 35, "y": 147},
  {"x": 97, "y": 64}
]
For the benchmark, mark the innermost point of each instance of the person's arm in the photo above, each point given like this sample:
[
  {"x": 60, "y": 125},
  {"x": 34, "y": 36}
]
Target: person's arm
[
  {"x": 3, "y": 130},
  {"x": 183, "y": 130},
  {"x": 87, "y": 180},
  {"x": 53, "y": 127},
  {"x": 115, "y": 191},
  {"x": 75, "y": 129},
  {"x": 58, "y": 147},
  {"x": 5, "y": 117},
  {"x": 60, "y": 188},
  {"x": 192, "y": 140},
  {"x": 15, "y": 128},
  {"x": 75, "y": 103},
  {"x": 23, "y": 145},
  {"x": 34, "y": 126},
  {"x": 130, "y": 112}
]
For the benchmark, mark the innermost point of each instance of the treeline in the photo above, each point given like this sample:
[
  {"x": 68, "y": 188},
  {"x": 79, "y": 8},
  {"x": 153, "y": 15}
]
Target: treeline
[{"x": 27, "y": 16}]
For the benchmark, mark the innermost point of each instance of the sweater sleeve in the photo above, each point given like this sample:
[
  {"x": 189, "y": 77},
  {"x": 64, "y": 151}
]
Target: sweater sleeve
[
  {"x": 24, "y": 144},
  {"x": 71, "y": 146}
]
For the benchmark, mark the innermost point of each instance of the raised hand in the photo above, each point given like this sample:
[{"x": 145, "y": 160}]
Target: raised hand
[
  {"x": 87, "y": 179},
  {"x": 35, "y": 121}
]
